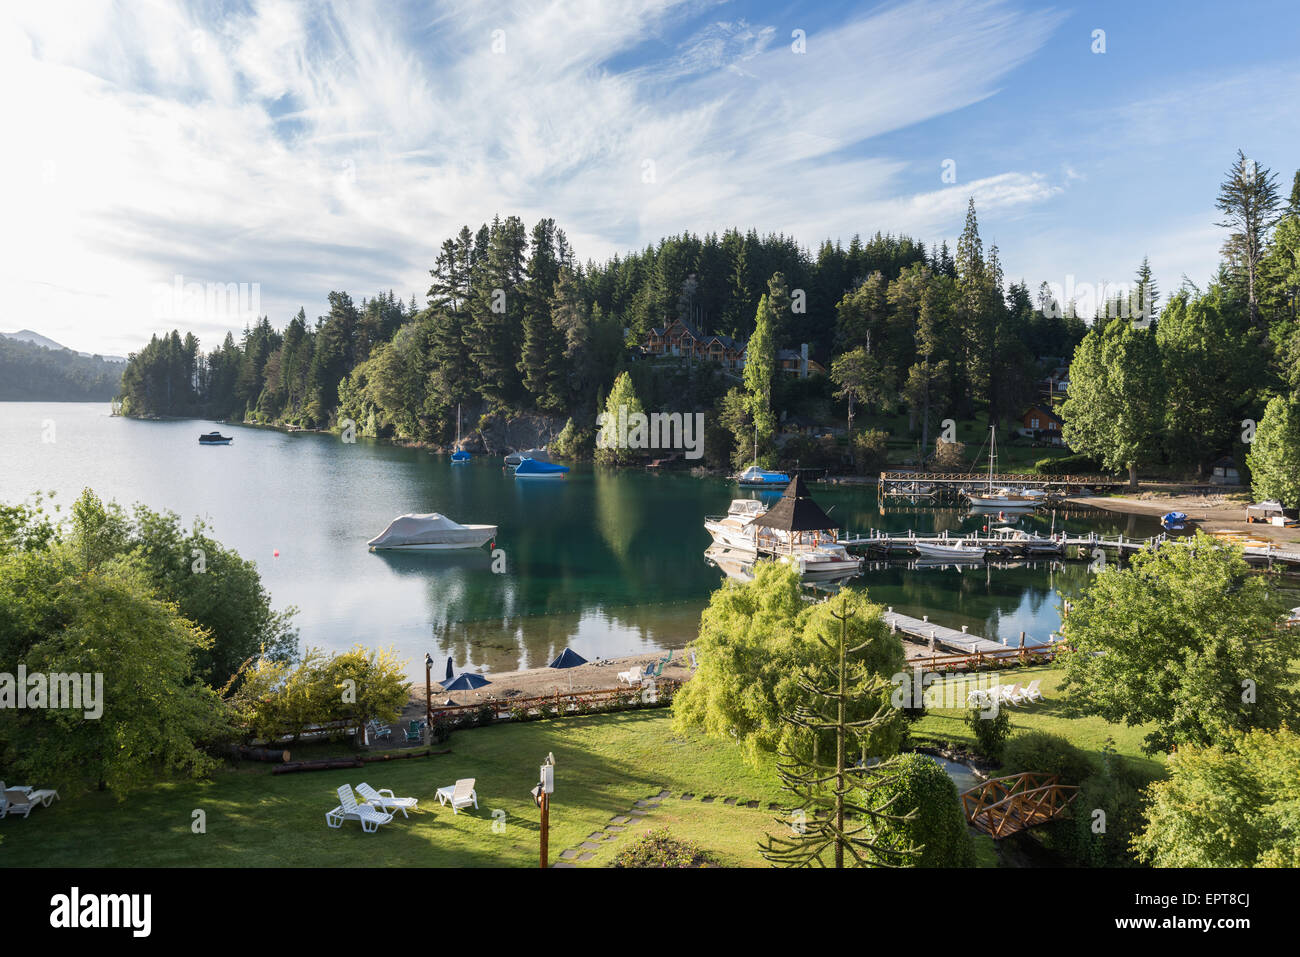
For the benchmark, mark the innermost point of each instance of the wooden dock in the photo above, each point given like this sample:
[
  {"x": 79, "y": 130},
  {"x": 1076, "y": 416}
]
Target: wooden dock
[
  {"x": 950, "y": 485},
  {"x": 924, "y": 629}
]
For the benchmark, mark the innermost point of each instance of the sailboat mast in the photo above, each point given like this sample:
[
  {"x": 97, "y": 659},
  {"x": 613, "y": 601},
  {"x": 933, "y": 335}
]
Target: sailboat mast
[{"x": 993, "y": 444}]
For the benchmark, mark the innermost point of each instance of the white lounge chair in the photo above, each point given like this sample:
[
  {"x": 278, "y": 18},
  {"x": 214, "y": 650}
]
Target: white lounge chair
[
  {"x": 350, "y": 810},
  {"x": 1032, "y": 693},
  {"x": 632, "y": 676},
  {"x": 384, "y": 799},
  {"x": 981, "y": 697},
  {"x": 22, "y": 800},
  {"x": 1013, "y": 694},
  {"x": 461, "y": 794}
]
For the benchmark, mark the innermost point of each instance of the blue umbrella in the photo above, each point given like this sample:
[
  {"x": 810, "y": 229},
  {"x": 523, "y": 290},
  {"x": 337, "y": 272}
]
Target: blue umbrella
[
  {"x": 568, "y": 659},
  {"x": 465, "y": 681}
]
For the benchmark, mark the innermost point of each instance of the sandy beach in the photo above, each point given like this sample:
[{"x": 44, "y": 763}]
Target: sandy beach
[{"x": 1209, "y": 509}]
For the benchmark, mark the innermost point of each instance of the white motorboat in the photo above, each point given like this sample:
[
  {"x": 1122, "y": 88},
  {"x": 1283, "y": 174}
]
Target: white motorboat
[
  {"x": 825, "y": 563},
  {"x": 735, "y": 529},
  {"x": 956, "y": 552},
  {"x": 430, "y": 532},
  {"x": 1035, "y": 544},
  {"x": 515, "y": 458}
]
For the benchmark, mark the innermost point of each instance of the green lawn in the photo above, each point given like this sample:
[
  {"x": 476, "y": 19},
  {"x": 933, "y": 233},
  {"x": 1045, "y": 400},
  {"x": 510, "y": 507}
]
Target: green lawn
[
  {"x": 1090, "y": 734},
  {"x": 604, "y": 764}
]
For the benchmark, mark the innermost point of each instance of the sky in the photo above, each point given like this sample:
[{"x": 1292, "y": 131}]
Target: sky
[{"x": 172, "y": 164}]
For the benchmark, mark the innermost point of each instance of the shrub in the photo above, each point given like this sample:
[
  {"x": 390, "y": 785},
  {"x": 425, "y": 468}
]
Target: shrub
[
  {"x": 486, "y": 714},
  {"x": 1088, "y": 839},
  {"x": 990, "y": 733},
  {"x": 870, "y": 450},
  {"x": 919, "y": 786},
  {"x": 572, "y": 442},
  {"x": 1046, "y": 753},
  {"x": 658, "y": 848},
  {"x": 1068, "y": 465},
  {"x": 440, "y": 730}
]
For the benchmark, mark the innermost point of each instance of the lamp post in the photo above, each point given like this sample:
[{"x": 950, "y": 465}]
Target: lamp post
[
  {"x": 428, "y": 691},
  {"x": 542, "y": 795}
]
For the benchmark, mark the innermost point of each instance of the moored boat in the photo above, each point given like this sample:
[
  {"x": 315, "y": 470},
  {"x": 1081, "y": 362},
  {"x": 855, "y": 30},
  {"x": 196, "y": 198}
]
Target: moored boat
[
  {"x": 957, "y": 552},
  {"x": 755, "y": 477},
  {"x": 430, "y": 532},
  {"x": 534, "y": 468},
  {"x": 215, "y": 438},
  {"x": 734, "y": 530},
  {"x": 514, "y": 458}
]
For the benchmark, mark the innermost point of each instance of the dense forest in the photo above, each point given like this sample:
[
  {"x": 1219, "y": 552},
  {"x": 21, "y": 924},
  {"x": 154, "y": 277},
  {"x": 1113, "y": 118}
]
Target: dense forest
[
  {"x": 513, "y": 322},
  {"x": 33, "y": 373}
]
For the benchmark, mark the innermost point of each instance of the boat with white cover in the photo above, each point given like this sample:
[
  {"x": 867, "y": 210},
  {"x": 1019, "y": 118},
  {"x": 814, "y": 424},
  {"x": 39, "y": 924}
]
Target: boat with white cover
[
  {"x": 430, "y": 532},
  {"x": 957, "y": 552}
]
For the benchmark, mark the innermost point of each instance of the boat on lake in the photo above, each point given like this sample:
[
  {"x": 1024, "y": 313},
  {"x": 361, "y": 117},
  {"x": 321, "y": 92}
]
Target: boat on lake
[
  {"x": 755, "y": 477},
  {"x": 1028, "y": 541},
  {"x": 1001, "y": 497},
  {"x": 734, "y": 530},
  {"x": 535, "y": 468},
  {"x": 957, "y": 552},
  {"x": 460, "y": 456},
  {"x": 430, "y": 532},
  {"x": 1174, "y": 521},
  {"x": 514, "y": 458},
  {"x": 215, "y": 438}
]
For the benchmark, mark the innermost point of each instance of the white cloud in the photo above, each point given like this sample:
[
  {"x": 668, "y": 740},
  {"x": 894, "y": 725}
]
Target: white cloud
[{"x": 327, "y": 146}]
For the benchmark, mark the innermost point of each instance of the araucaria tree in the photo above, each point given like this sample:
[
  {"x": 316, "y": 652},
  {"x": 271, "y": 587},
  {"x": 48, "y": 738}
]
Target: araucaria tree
[{"x": 834, "y": 819}]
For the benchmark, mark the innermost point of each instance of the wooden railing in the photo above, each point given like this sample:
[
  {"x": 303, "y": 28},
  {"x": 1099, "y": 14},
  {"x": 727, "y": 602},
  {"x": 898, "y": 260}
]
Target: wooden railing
[
  {"x": 1004, "y": 806},
  {"x": 565, "y": 702},
  {"x": 981, "y": 659},
  {"x": 1001, "y": 478}
]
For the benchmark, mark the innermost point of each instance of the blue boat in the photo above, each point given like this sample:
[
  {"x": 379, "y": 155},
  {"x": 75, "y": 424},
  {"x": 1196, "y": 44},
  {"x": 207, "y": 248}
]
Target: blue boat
[
  {"x": 460, "y": 455},
  {"x": 1174, "y": 521},
  {"x": 755, "y": 477},
  {"x": 532, "y": 468}
]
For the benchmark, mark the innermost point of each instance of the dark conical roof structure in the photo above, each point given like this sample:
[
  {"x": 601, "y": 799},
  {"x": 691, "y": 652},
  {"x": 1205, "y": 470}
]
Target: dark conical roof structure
[{"x": 796, "y": 512}]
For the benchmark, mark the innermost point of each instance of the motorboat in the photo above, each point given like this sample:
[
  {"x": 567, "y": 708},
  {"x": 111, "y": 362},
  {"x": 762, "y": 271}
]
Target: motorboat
[
  {"x": 755, "y": 477},
  {"x": 215, "y": 438},
  {"x": 535, "y": 468},
  {"x": 957, "y": 552},
  {"x": 824, "y": 562},
  {"x": 734, "y": 529},
  {"x": 514, "y": 458},
  {"x": 430, "y": 532},
  {"x": 1034, "y": 544},
  {"x": 1174, "y": 521}
]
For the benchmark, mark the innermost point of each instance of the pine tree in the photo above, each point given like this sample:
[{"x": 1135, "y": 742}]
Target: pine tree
[
  {"x": 1249, "y": 199},
  {"x": 829, "y": 819}
]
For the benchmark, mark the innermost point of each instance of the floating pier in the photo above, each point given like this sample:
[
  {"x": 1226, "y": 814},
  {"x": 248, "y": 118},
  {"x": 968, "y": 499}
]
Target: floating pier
[
  {"x": 926, "y": 630},
  {"x": 945, "y": 486}
]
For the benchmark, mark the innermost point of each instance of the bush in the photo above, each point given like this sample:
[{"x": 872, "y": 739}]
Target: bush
[
  {"x": 990, "y": 733},
  {"x": 1068, "y": 465},
  {"x": 486, "y": 714},
  {"x": 1087, "y": 839},
  {"x": 658, "y": 848},
  {"x": 1047, "y": 754},
  {"x": 918, "y": 785},
  {"x": 870, "y": 450},
  {"x": 440, "y": 730},
  {"x": 572, "y": 442}
]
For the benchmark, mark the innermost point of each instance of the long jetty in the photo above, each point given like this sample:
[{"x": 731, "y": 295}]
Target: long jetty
[
  {"x": 927, "y": 630},
  {"x": 950, "y": 485}
]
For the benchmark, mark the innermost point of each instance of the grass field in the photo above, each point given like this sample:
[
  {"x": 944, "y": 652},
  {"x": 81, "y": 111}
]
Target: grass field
[{"x": 604, "y": 764}]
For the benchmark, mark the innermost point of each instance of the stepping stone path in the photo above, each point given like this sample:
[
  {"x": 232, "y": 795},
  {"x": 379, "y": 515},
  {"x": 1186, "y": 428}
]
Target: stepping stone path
[{"x": 619, "y": 823}]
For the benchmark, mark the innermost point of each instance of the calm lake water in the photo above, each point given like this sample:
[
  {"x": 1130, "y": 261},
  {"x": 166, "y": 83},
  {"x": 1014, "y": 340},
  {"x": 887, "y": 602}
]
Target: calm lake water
[{"x": 608, "y": 563}]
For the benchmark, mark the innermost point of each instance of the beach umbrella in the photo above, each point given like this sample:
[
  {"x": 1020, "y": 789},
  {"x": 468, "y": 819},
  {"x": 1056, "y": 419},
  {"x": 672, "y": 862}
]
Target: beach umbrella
[
  {"x": 465, "y": 681},
  {"x": 568, "y": 658}
]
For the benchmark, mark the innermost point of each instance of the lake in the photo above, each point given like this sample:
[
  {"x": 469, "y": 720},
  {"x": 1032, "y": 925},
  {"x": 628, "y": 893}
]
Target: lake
[{"x": 606, "y": 562}]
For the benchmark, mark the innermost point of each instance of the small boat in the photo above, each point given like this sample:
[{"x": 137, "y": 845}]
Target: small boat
[
  {"x": 734, "y": 529},
  {"x": 958, "y": 552},
  {"x": 755, "y": 477},
  {"x": 535, "y": 468},
  {"x": 1174, "y": 521},
  {"x": 514, "y": 458},
  {"x": 430, "y": 532},
  {"x": 1034, "y": 544},
  {"x": 215, "y": 438},
  {"x": 460, "y": 456},
  {"x": 825, "y": 563}
]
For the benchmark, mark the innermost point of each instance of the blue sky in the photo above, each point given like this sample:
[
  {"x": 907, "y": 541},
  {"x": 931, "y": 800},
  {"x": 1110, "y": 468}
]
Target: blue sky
[{"x": 309, "y": 147}]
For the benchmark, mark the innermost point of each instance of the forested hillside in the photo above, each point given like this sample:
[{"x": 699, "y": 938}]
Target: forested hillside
[
  {"x": 33, "y": 373},
  {"x": 513, "y": 321}
]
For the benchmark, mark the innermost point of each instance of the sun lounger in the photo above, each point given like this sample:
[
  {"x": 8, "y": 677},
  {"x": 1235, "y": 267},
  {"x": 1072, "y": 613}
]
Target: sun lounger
[
  {"x": 631, "y": 677},
  {"x": 1032, "y": 693},
  {"x": 384, "y": 799},
  {"x": 378, "y": 730},
  {"x": 459, "y": 795},
  {"x": 1012, "y": 694},
  {"x": 21, "y": 801},
  {"x": 350, "y": 810}
]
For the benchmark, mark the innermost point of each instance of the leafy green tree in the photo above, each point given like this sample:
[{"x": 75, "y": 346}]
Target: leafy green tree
[
  {"x": 862, "y": 379},
  {"x": 1274, "y": 456},
  {"x": 1186, "y": 640},
  {"x": 1115, "y": 408},
  {"x": 620, "y": 406},
  {"x": 755, "y": 640},
  {"x": 760, "y": 367},
  {"x": 1233, "y": 804}
]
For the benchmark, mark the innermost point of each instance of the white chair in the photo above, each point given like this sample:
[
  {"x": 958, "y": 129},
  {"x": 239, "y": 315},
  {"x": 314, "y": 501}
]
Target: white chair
[
  {"x": 632, "y": 677},
  {"x": 1012, "y": 694},
  {"x": 1032, "y": 693},
  {"x": 22, "y": 800},
  {"x": 350, "y": 810},
  {"x": 384, "y": 799},
  {"x": 461, "y": 794}
]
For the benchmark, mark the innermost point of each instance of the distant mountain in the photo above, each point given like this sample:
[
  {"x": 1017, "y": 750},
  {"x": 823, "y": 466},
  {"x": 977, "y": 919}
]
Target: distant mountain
[
  {"x": 36, "y": 339},
  {"x": 31, "y": 371}
]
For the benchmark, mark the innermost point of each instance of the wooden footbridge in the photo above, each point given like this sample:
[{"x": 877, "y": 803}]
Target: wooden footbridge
[
  {"x": 950, "y": 485},
  {"x": 1004, "y": 806}
]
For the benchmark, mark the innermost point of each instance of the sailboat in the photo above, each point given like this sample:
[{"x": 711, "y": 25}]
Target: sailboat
[
  {"x": 460, "y": 456},
  {"x": 1000, "y": 497},
  {"x": 755, "y": 477}
]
